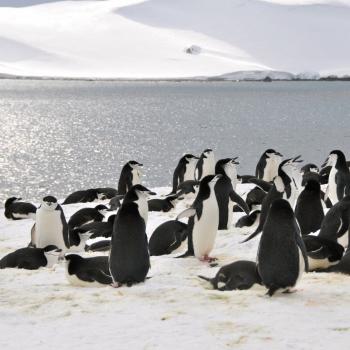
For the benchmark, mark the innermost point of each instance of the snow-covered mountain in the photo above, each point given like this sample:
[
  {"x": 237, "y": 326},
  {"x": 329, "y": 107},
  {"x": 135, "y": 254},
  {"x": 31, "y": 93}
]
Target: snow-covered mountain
[{"x": 137, "y": 39}]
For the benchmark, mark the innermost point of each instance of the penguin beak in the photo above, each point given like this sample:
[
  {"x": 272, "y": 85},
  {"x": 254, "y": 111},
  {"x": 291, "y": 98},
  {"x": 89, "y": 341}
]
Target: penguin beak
[
  {"x": 279, "y": 154},
  {"x": 235, "y": 161},
  {"x": 151, "y": 193},
  {"x": 325, "y": 164},
  {"x": 297, "y": 159}
]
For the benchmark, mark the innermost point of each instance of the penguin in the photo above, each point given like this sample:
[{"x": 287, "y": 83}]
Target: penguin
[
  {"x": 335, "y": 225},
  {"x": 309, "y": 209},
  {"x": 107, "y": 192},
  {"x": 129, "y": 176},
  {"x": 16, "y": 210},
  {"x": 322, "y": 253},
  {"x": 205, "y": 165},
  {"x": 115, "y": 203},
  {"x": 184, "y": 171},
  {"x": 249, "y": 220},
  {"x": 138, "y": 194},
  {"x": 325, "y": 171},
  {"x": 342, "y": 267},
  {"x": 267, "y": 166},
  {"x": 103, "y": 245},
  {"x": 282, "y": 257},
  {"x": 187, "y": 188},
  {"x": 167, "y": 237},
  {"x": 163, "y": 205},
  {"x": 244, "y": 179},
  {"x": 240, "y": 275},
  {"x": 31, "y": 258},
  {"x": 339, "y": 176},
  {"x": 87, "y": 215},
  {"x": 225, "y": 194},
  {"x": 255, "y": 197},
  {"x": 204, "y": 220},
  {"x": 50, "y": 226},
  {"x": 87, "y": 272},
  {"x": 129, "y": 259},
  {"x": 310, "y": 171},
  {"x": 83, "y": 196},
  {"x": 97, "y": 228}
]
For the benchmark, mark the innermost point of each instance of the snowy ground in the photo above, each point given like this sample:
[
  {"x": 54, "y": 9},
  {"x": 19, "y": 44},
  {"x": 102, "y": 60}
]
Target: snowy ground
[
  {"x": 135, "y": 39},
  {"x": 172, "y": 310}
]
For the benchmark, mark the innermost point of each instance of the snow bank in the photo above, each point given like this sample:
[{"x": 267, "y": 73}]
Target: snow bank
[
  {"x": 136, "y": 39},
  {"x": 172, "y": 310}
]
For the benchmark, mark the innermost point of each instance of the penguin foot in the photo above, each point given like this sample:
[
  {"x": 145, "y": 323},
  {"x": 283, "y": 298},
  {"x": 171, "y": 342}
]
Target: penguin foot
[
  {"x": 208, "y": 259},
  {"x": 290, "y": 290},
  {"x": 116, "y": 285}
]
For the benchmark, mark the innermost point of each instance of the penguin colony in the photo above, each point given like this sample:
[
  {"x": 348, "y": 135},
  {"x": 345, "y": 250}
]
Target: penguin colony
[{"x": 302, "y": 228}]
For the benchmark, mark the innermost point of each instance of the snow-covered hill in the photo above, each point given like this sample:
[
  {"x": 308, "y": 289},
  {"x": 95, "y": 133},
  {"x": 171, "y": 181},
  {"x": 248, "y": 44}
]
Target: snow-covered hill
[{"x": 174, "y": 39}]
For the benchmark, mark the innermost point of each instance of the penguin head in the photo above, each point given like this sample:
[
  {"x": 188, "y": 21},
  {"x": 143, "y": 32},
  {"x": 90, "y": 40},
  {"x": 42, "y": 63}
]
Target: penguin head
[
  {"x": 102, "y": 209},
  {"x": 11, "y": 200},
  {"x": 333, "y": 158},
  {"x": 190, "y": 158},
  {"x": 280, "y": 208},
  {"x": 209, "y": 180},
  {"x": 49, "y": 203},
  {"x": 227, "y": 166},
  {"x": 142, "y": 192},
  {"x": 72, "y": 262},
  {"x": 52, "y": 254},
  {"x": 310, "y": 168},
  {"x": 207, "y": 153},
  {"x": 135, "y": 165},
  {"x": 271, "y": 153}
]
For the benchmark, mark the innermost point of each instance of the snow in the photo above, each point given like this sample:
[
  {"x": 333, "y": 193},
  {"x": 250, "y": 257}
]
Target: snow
[
  {"x": 138, "y": 39},
  {"x": 172, "y": 310}
]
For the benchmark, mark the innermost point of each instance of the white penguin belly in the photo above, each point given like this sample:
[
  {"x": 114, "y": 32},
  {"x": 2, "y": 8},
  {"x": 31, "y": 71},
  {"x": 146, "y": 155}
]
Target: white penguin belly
[
  {"x": 135, "y": 177},
  {"x": 271, "y": 169},
  {"x": 143, "y": 209},
  {"x": 230, "y": 214},
  {"x": 205, "y": 229},
  {"x": 315, "y": 264},
  {"x": 189, "y": 173},
  {"x": 344, "y": 239},
  {"x": 332, "y": 187},
  {"x": 49, "y": 229},
  {"x": 208, "y": 167}
]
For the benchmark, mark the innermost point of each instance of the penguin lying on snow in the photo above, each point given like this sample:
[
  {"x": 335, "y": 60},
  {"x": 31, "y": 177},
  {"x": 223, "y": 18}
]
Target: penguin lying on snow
[
  {"x": 336, "y": 223},
  {"x": 103, "y": 245},
  {"x": 115, "y": 203},
  {"x": 163, "y": 205},
  {"x": 16, "y": 210},
  {"x": 255, "y": 196},
  {"x": 187, "y": 187},
  {"x": 167, "y": 237},
  {"x": 107, "y": 192},
  {"x": 237, "y": 275},
  {"x": 31, "y": 258},
  {"x": 249, "y": 220},
  {"x": 97, "y": 229},
  {"x": 83, "y": 196},
  {"x": 86, "y": 215},
  {"x": 321, "y": 252},
  {"x": 282, "y": 257},
  {"x": 87, "y": 271}
]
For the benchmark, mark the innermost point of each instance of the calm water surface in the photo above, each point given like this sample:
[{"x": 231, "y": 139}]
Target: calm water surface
[{"x": 61, "y": 136}]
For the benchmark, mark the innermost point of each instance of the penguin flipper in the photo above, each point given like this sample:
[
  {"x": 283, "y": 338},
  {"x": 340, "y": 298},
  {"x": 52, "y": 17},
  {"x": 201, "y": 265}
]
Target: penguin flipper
[
  {"x": 272, "y": 290},
  {"x": 302, "y": 247},
  {"x": 344, "y": 225},
  {"x": 186, "y": 213},
  {"x": 103, "y": 278},
  {"x": 255, "y": 233},
  {"x": 236, "y": 198},
  {"x": 264, "y": 185}
]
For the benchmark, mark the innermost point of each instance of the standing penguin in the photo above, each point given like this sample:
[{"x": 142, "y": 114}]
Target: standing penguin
[
  {"x": 309, "y": 210},
  {"x": 267, "y": 166},
  {"x": 129, "y": 260},
  {"x": 204, "y": 220},
  {"x": 17, "y": 210},
  {"x": 339, "y": 177},
  {"x": 336, "y": 223},
  {"x": 205, "y": 165},
  {"x": 50, "y": 226},
  {"x": 184, "y": 171},
  {"x": 225, "y": 194},
  {"x": 129, "y": 176},
  {"x": 281, "y": 258}
]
